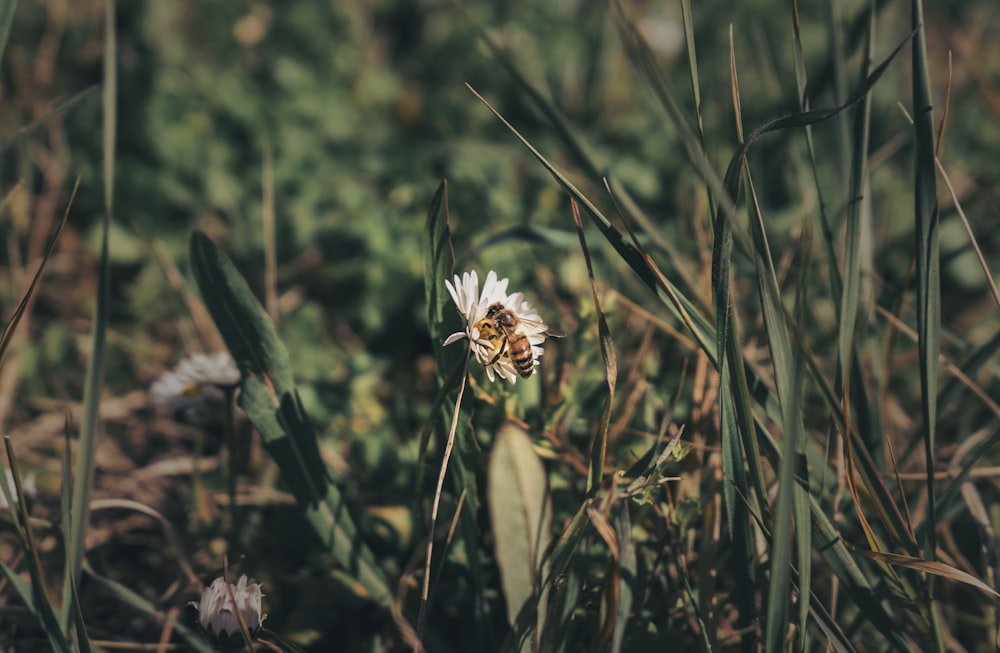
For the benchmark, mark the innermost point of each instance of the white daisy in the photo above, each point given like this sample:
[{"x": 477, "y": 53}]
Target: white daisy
[
  {"x": 197, "y": 379},
  {"x": 487, "y": 340}
]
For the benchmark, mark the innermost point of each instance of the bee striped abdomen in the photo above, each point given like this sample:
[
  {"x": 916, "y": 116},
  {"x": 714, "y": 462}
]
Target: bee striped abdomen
[{"x": 521, "y": 356}]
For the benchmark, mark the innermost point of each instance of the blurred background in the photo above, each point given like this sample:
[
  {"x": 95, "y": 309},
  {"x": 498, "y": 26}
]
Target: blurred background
[{"x": 342, "y": 118}]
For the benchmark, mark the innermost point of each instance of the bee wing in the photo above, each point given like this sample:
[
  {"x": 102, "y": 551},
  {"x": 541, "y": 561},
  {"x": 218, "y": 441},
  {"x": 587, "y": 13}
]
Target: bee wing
[{"x": 547, "y": 329}]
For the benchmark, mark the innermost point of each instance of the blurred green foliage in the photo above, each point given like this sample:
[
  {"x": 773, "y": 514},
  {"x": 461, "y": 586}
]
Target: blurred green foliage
[{"x": 362, "y": 109}]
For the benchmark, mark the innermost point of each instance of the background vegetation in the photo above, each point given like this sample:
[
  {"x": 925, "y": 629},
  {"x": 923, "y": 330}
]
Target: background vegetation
[{"x": 825, "y": 451}]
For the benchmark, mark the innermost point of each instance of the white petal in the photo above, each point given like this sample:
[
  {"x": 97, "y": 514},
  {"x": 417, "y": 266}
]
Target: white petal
[
  {"x": 453, "y": 291},
  {"x": 455, "y": 337},
  {"x": 494, "y": 290}
]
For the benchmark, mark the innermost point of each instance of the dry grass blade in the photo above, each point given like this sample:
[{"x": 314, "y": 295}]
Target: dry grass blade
[
  {"x": 36, "y": 596},
  {"x": 929, "y": 567},
  {"x": 968, "y": 230},
  {"x": 438, "y": 491},
  {"x": 22, "y": 306}
]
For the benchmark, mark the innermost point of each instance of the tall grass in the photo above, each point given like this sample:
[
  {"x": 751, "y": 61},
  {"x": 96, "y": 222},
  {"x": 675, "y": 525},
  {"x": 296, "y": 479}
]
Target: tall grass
[{"x": 720, "y": 456}]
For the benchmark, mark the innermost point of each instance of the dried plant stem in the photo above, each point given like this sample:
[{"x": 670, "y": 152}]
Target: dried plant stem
[{"x": 449, "y": 446}]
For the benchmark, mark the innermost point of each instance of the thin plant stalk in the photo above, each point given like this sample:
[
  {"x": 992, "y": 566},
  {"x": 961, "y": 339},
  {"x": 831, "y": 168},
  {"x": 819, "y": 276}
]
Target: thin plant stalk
[{"x": 449, "y": 446}]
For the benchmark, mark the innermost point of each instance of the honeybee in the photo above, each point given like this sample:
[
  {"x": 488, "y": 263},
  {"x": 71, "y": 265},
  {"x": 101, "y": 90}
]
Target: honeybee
[{"x": 501, "y": 326}]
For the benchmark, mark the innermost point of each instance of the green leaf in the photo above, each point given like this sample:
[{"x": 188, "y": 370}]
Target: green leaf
[
  {"x": 521, "y": 520},
  {"x": 271, "y": 400}
]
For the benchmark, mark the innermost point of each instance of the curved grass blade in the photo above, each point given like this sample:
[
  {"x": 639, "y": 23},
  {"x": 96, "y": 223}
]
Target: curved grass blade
[
  {"x": 136, "y": 601},
  {"x": 583, "y": 156},
  {"x": 521, "y": 519},
  {"x": 271, "y": 400},
  {"x": 859, "y": 588},
  {"x": 931, "y": 567},
  {"x": 645, "y": 63},
  {"x": 683, "y": 308}
]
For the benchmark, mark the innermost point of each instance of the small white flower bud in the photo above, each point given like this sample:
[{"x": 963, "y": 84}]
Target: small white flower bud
[{"x": 217, "y": 612}]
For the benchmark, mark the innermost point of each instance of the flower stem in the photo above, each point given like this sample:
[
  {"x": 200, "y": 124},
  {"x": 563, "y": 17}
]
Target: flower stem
[{"x": 425, "y": 592}]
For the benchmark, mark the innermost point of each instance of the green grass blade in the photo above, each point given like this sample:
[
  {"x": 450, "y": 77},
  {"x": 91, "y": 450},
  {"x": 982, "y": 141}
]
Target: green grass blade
[
  {"x": 627, "y": 576},
  {"x": 7, "y": 8},
  {"x": 59, "y": 107},
  {"x": 83, "y": 477},
  {"x": 801, "y": 503},
  {"x": 21, "y": 587},
  {"x": 858, "y": 247},
  {"x": 735, "y": 487},
  {"x": 439, "y": 266},
  {"x": 41, "y": 609},
  {"x": 681, "y": 306},
  {"x": 692, "y": 56},
  {"x": 786, "y": 376},
  {"x": 801, "y": 84},
  {"x": 82, "y": 639},
  {"x": 598, "y": 450},
  {"x": 835, "y": 636},
  {"x": 854, "y": 579},
  {"x": 928, "y": 264},
  {"x": 271, "y": 400},
  {"x": 521, "y": 518},
  {"x": 645, "y": 63},
  {"x": 928, "y": 251},
  {"x": 126, "y": 596},
  {"x": 583, "y": 156},
  {"x": 36, "y": 595}
]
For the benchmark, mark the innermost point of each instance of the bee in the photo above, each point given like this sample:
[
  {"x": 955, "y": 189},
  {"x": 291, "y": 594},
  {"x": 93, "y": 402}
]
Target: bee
[{"x": 501, "y": 326}]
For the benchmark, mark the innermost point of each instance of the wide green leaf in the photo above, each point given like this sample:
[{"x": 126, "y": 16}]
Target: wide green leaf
[
  {"x": 521, "y": 519},
  {"x": 271, "y": 400}
]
